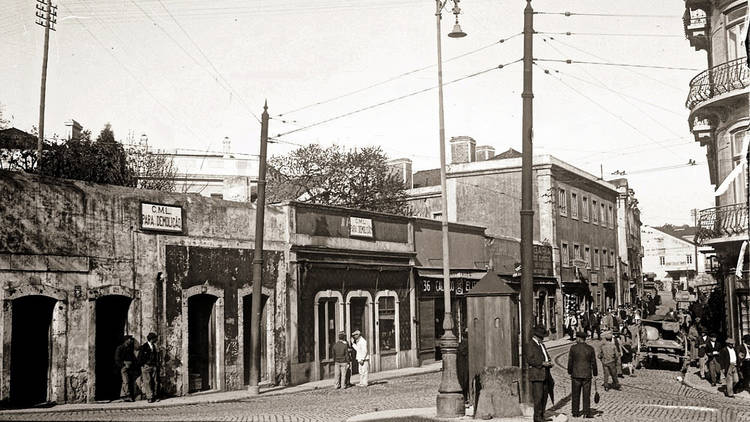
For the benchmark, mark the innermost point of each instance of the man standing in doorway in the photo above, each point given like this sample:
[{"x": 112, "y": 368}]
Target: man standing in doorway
[
  {"x": 341, "y": 360},
  {"x": 148, "y": 357},
  {"x": 125, "y": 360},
  {"x": 581, "y": 368},
  {"x": 363, "y": 357},
  {"x": 539, "y": 372}
]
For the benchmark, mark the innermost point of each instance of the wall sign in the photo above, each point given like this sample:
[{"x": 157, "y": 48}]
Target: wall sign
[
  {"x": 434, "y": 286},
  {"x": 159, "y": 217},
  {"x": 360, "y": 227}
]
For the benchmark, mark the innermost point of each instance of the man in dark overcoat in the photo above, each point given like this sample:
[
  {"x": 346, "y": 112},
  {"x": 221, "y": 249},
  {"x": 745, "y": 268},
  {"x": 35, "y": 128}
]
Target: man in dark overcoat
[{"x": 581, "y": 368}]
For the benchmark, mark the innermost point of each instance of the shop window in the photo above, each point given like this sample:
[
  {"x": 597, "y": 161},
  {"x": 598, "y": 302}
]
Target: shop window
[
  {"x": 573, "y": 205},
  {"x": 327, "y": 328},
  {"x": 387, "y": 323},
  {"x": 585, "y": 209},
  {"x": 565, "y": 254},
  {"x": 562, "y": 200}
]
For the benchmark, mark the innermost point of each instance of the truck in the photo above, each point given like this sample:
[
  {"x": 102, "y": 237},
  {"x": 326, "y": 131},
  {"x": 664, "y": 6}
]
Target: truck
[{"x": 661, "y": 339}]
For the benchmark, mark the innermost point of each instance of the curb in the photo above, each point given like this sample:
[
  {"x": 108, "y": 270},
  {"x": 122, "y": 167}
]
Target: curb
[
  {"x": 711, "y": 390},
  {"x": 238, "y": 395}
]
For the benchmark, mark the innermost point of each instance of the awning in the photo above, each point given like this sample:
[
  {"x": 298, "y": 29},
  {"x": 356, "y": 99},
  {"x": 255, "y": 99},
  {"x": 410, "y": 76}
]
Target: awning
[{"x": 454, "y": 274}]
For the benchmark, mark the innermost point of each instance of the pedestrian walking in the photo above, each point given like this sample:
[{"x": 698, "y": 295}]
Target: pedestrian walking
[
  {"x": 714, "y": 367},
  {"x": 363, "y": 357},
  {"x": 571, "y": 325},
  {"x": 581, "y": 368},
  {"x": 148, "y": 358},
  {"x": 126, "y": 363},
  {"x": 341, "y": 361},
  {"x": 744, "y": 353},
  {"x": 618, "y": 345},
  {"x": 693, "y": 339},
  {"x": 608, "y": 353},
  {"x": 607, "y": 320},
  {"x": 627, "y": 352},
  {"x": 702, "y": 356},
  {"x": 596, "y": 325},
  {"x": 729, "y": 359}
]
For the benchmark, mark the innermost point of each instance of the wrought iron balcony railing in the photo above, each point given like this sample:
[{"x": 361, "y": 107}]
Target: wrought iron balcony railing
[
  {"x": 726, "y": 77},
  {"x": 725, "y": 221}
]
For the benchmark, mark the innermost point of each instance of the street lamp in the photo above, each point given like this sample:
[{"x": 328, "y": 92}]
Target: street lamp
[{"x": 450, "y": 401}]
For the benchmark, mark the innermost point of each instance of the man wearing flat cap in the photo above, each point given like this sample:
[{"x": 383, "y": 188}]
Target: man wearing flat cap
[
  {"x": 540, "y": 379},
  {"x": 581, "y": 368},
  {"x": 728, "y": 360}
]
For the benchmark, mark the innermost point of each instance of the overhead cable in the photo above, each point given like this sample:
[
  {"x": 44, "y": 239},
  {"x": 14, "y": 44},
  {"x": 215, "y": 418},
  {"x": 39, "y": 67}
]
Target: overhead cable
[
  {"x": 609, "y": 34},
  {"x": 608, "y": 15},
  {"x": 399, "y": 76},
  {"x": 647, "y": 66},
  {"x": 411, "y": 94}
]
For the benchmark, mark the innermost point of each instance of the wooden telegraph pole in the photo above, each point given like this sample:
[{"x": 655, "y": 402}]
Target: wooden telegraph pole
[{"x": 46, "y": 15}]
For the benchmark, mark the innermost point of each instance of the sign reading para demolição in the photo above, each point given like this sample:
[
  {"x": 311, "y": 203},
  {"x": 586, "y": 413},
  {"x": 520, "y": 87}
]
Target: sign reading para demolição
[
  {"x": 360, "y": 227},
  {"x": 159, "y": 217}
]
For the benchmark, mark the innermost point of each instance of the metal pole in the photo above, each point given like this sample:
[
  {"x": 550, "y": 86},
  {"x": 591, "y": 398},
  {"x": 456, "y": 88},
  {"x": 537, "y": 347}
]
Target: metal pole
[
  {"x": 450, "y": 401},
  {"x": 527, "y": 211},
  {"x": 42, "y": 95},
  {"x": 260, "y": 204}
]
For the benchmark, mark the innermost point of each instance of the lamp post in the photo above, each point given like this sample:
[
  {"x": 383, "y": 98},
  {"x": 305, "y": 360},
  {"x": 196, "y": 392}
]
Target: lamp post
[{"x": 450, "y": 401}]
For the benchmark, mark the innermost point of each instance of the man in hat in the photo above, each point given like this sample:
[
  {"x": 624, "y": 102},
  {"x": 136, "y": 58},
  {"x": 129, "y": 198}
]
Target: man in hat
[
  {"x": 608, "y": 353},
  {"x": 581, "y": 368},
  {"x": 728, "y": 359},
  {"x": 540, "y": 379},
  {"x": 712, "y": 352},
  {"x": 148, "y": 357},
  {"x": 363, "y": 357},
  {"x": 744, "y": 354},
  {"x": 341, "y": 360}
]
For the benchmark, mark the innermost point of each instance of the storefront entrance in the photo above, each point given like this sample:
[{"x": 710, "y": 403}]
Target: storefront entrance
[
  {"x": 111, "y": 322},
  {"x": 31, "y": 349},
  {"x": 202, "y": 344}
]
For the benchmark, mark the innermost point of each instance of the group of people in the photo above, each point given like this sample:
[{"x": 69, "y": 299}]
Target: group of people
[
  {"x": 343, "y": 351},
  {"x": 145, "y": 363},
  {"x": 717, "y": 361}
]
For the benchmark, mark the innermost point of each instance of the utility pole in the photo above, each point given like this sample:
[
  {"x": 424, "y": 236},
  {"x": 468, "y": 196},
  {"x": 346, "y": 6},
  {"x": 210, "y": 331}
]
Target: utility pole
[
  {"x": 260, "y": 205},
  {"x": 695, "y": 221},
  {"x": 527, "y": 210},
  {"x": 46, "y": 15}
]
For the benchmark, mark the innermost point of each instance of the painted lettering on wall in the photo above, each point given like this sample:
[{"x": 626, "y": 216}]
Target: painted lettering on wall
[{"x": 161, "y": 217}]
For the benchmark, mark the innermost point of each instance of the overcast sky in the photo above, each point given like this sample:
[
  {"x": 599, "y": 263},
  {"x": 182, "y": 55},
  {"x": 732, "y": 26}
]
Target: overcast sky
[{"x": 188, "y": 73}]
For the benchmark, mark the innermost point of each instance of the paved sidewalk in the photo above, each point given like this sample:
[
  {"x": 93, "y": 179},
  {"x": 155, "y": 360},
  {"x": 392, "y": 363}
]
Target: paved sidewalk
[
  {"x": 227, "y": 396},
  {"x": 693, "y": 380}
]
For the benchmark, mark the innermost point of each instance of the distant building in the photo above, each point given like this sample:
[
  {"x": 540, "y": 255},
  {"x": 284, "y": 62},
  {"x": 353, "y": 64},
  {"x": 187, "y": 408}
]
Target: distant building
[
  {"x": 630, "y": 249},
  {"x": 12, "y": 143},
  {"x": 719, "y": 118},
  {"x": 574, "y": 215},
  {"x": 671, "y": 254}
]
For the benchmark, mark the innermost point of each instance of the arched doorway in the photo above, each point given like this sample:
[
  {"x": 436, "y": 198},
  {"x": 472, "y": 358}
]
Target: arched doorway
[
  {"x": 247, "y": 347},
  {"x": 111, "y": 323},
  {"x": 202, "y": 343},
  {"x": 31, "y": 349}
]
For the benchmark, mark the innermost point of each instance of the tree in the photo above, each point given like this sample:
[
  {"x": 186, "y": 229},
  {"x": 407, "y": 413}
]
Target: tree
[
  {"x": 101, "y": 161},
  {"x": 357, "y": 179},
  {"x": 3, "y": 121},
  {"x": 152, "y": 170}
]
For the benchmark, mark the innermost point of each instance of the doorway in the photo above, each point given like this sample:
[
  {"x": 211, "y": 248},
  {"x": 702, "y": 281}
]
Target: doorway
[
  {"x": 359, "y": 320},
  {"x": 202, "y": 344},
  {"x": 111, "y": 322},
  {"x": 247, "y": 310},
  {"x": 31, "y": 349}
]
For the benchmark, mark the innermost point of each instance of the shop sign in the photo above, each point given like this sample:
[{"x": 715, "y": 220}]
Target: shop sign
[
  {"x": 434, "y": 286},
  {"x": 360, "y": 227},
  {"x": 162, "y": 218},
  {"x": 543, "y": 260}
]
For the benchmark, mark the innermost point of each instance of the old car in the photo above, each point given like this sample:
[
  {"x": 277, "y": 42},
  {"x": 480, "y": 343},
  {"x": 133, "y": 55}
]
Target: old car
[{"x": 662, "y": 339}]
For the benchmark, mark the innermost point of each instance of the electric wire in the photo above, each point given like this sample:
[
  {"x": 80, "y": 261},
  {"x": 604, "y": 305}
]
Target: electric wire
[
  {"x": 616, "y": 15},
  {"x": 502, "y": 40},
  {"x": 647, "y": 66},
  {"x": 608, "y": 34},
  {"x": 392, "y": 100}
]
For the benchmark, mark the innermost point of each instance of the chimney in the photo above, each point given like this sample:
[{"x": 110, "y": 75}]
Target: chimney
[
  {"x": 463, "y": 149},
  {"x": 143, "y": 141},
  {"x": 485, "y": 152},
  {"x": 73, "y": 130},
  {"x": 401, "y": 167}
]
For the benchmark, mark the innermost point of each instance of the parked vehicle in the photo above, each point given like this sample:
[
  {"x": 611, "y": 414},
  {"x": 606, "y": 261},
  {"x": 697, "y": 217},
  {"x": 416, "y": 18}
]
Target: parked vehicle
[{"x": 661, "y": 340}]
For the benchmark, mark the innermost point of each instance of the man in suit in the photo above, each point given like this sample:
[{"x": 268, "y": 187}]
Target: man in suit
[
  {"x": 729, "y": 359},
  {"x": 540, "y": 379},
  {"x": 148, "y": 357},
  {"x": 581, "y": 368},
  {"x": 712, "y": 353},
  {"x": 125, "y": 361}
]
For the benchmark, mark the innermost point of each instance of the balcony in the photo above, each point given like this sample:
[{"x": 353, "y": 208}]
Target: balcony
[
  {"x": 726, "y": 77},
  {"x": 696, "y": 28},
  {"x": 722, "y": 223}
]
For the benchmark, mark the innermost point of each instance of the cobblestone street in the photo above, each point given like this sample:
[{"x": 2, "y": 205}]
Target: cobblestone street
[{"x": 654, "y": 395}]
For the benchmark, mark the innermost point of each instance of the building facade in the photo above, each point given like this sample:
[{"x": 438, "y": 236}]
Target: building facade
[
  {"x": 574, "y": 215},
  {"x": 719, "y": 118},
  {"x": 675, "y": 260},
  {"x": 630, "y": 248}
]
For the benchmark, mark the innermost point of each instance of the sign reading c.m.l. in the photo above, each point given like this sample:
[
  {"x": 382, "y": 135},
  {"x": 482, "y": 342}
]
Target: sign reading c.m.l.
[{"x": 159, "y": 217}]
